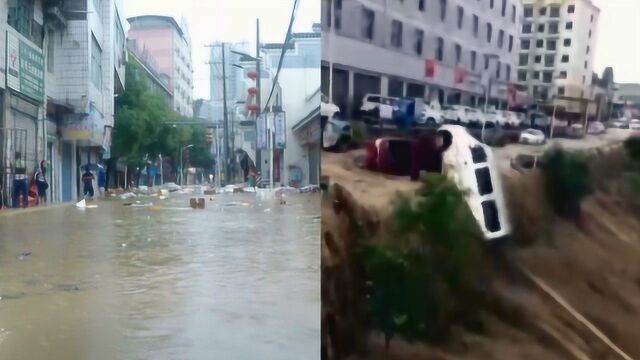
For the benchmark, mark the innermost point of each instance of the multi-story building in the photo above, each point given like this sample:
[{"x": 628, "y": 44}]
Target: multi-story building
[
  {"x": 147, "y": 68},
  {"x": 299, "y": 80},
  {"x": 66, "y": 61},
  {"x": 557, "y": 47},
  {"x": 435, "y": 49},
  {"x": 170, "y": 44}
]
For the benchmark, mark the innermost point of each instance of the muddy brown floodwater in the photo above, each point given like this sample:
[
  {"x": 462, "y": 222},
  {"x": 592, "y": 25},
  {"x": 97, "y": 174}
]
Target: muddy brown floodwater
[{"x": 237, "y": 280}]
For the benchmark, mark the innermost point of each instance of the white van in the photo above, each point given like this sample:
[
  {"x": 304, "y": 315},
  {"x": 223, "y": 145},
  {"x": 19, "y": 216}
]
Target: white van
[
  {"x": 471, "y": 165},
  {"x": 336, "y": 133}
]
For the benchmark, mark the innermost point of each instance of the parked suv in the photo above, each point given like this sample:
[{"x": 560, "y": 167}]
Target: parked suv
[
  {"x": 375, "y": 107},
  {"x": 432, "y": 115}
]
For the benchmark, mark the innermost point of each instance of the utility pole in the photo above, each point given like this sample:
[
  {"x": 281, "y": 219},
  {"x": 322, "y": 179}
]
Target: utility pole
[
  {"x": 258, "y": 95},
  {"x": 225, "y": 117}
]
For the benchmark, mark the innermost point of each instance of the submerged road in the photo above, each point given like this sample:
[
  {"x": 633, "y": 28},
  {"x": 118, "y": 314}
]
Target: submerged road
[{"x": 237, "y": 280}]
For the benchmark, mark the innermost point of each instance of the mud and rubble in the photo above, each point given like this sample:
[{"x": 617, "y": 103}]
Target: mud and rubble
[{"x": 571, "y": 292}]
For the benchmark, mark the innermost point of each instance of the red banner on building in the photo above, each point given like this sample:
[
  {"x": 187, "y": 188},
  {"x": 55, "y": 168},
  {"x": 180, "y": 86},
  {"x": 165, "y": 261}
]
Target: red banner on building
[
  {"x": 459, "y": 75},
  {"x": 430, "y": 68}
]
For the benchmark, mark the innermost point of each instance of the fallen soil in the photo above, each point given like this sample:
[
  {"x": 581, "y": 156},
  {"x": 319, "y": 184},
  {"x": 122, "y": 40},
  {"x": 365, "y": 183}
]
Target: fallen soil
[{"x": 586, "y": 304}]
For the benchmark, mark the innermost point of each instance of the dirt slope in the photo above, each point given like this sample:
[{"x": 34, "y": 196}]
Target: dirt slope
[{"x": 594, "y": 268}]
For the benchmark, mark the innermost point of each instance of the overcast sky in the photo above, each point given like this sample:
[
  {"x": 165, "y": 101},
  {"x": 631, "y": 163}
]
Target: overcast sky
[
  {"x": 227, "y": 20},
  {"x": 618, "y": 35}
]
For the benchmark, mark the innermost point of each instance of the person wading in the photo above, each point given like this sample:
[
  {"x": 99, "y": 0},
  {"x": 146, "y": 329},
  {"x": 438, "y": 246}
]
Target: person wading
[
  {"x": 20, "y": 186},
  {"x": 41, "y": 182},
  {"x": 87, "y": 180}
]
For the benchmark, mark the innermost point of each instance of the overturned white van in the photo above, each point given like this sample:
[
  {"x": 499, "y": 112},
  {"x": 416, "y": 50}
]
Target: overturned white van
[{"x": 470, "y": 164}]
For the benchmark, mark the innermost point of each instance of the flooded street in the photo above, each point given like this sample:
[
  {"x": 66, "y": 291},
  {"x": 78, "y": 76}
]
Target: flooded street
[{"x": 237, "y": 280}]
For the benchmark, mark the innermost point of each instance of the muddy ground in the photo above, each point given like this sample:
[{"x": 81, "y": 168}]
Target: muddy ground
[{"x": 584, "y": 305}]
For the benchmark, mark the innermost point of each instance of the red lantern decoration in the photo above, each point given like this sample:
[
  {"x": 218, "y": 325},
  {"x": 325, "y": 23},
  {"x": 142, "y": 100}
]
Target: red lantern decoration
[
  {"x": 253, "y": 107},
  {"x": 252, "y": 75},
  {"x": 252, "y": 91}
]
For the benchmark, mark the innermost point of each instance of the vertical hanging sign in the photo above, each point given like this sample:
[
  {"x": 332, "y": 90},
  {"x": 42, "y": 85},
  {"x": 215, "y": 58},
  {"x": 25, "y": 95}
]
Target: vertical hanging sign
[
  {"x": 261, "y": 125},
  {"x": 280, "y": 126}
]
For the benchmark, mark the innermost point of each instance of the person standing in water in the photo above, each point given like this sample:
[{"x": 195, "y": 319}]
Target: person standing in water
[
  {"x": 87, "y": 180},
  {"x": 41, "y": 182},
  {"x": 20, "y": 186}
]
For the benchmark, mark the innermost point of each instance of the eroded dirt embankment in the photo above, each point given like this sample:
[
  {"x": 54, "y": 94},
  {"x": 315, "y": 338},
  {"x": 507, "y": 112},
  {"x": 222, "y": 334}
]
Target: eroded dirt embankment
[{"x": 586, "y": 304}]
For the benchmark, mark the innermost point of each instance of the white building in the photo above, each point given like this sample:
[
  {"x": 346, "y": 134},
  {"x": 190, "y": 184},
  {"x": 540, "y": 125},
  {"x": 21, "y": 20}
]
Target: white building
[
  {"x": 557, "y": 48},
  {"x": 170, "y": 44},
  {"x": 299, "y": 81},
  {"x": 71, "y": 59},
  {"x": 385, "y": 47}
]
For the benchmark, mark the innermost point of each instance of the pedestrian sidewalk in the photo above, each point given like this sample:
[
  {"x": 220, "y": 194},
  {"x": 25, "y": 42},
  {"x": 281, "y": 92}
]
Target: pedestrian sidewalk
[{"x": 12, "y": 211}]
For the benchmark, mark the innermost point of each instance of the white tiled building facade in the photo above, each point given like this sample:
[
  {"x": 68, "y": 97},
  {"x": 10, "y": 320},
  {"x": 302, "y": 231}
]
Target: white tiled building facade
[
  {"x": 82, "y": 43},
  {"x": 557, "y": 48},
  {"x": 382, "y": 46}
]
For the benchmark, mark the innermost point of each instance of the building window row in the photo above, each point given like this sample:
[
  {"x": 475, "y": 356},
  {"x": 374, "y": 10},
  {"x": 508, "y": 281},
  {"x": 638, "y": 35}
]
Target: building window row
[
  {"x": 546, "y": 77},
  {"x": 554, "y": 11},
  {"x": 552, "y": 28}
]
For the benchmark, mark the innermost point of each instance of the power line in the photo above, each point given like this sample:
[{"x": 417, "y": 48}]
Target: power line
[{"x": 284, "y": 49}]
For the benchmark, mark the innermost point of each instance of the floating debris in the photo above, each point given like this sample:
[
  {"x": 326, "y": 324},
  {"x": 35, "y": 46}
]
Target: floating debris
[{"x": 23, "y": 255}]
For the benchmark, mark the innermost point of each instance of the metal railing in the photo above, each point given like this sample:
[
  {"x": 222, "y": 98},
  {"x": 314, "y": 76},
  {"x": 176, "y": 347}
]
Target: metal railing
[{"x": 11, "y": 141}]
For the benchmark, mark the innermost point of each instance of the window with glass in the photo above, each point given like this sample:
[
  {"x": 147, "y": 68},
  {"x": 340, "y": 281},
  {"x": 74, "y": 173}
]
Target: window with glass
[
  {"x": 551, "y": 45},
  {"x": 508, "y": 71},
  {"x": 474, "y": 56},
  {"x": 536, "y": 76},
  {"x": 440, "y": 49},
  {"x": 522, "y": 75},
  {"x": 567, "y": 42},
  {"x": 562, "y": 75},
  {"x": 476, "y": 24},
  {"x": 542, "y": 11},
  {"x": 525, "y": 44},
  {"x": 547, "y": 76},
  {"x": 554, "y": 12},
  {"x": 504, "y": 8},
  {"x": 561, "y": 91},
  {"x": 565, "y": 58},
  {"x": 538, "y": 59},
  {"x": 510, "y": 43},
  {"x": 419, "y": 34},
  {"x": 421, "y": 5},
  {"x": 498, "y": 70},
  {"x": 20, "y": 17},
  {"x": 571, "y": 9},
  {"x": 368, "y": 17},
  {"x": 96, "y": 63},
  {"x": 588, "y": 49},
  {"x": 51, "y": 41},
  {"x": 491, "y": 3},
  {"x": 523, "y": 59},
  {"x": 526, "y": 28},
  {"x": 396, "y": 33},
  {"x": 443, "y": 10},
  {"x": 337, "y": 14},
  {"x": 460, "y": 16},
  {"x": 549, "y": 60},
  {"x": 489, "y": 32},
  {"x": 486, "y": 62},
  {"x": 540, "y": 28},
  {"x": 458, "y": 50},
  {"x": 569, "y": 25},
  {"x": 513, "y": 14},
  {"x": 586, "y": 64},
  {"x": 553, "y": 28},
  {"x": 528, "y": 11},
  {"x": 539, "y": 43},
  {"x": 500, "y": 39}
]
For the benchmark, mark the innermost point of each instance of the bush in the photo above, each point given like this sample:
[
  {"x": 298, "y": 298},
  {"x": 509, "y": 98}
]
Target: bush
[
  {"x": 567, "y": 181},
  {"x": 429, "y": 278},
  {"x": 632, "y": 145}
]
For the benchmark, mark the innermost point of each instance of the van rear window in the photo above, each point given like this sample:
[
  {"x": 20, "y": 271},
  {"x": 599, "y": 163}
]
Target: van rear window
[
  {"x": 478, "y": 154},
  {"x": 483, "y": 176},
  {"x": 491, "y": 219}
]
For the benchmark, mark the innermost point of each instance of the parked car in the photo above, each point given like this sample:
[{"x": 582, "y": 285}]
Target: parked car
[
  {"x": 620, "y": 123},
  {"x": 336, "y": 133},
  {"x": 474, "y": 115},
  {"x": 634, "y": 124},
  {"x": 539, "y": 120},
  {"x": 596, "y": 128},
  {"x": 375, "y": 107},
  {"x": 432, "y": 115},
  {"x": 532, "y": 137},
  {"x": 575, "y": 131},
  {"x": 471, "y": 165},
  {"x": 513, "y": 119},
  {"x": 457, "y": 114},
  {"x": 495, "y": 116}
]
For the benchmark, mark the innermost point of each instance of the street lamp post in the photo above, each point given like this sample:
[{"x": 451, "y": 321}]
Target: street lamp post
[
  {"x": 487, "y": 92},
  {"x": 181, "y": 169}
]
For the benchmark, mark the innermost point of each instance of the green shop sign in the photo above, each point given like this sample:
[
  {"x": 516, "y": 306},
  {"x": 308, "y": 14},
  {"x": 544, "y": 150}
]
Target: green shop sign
[{"x": 25, "y": 68}]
